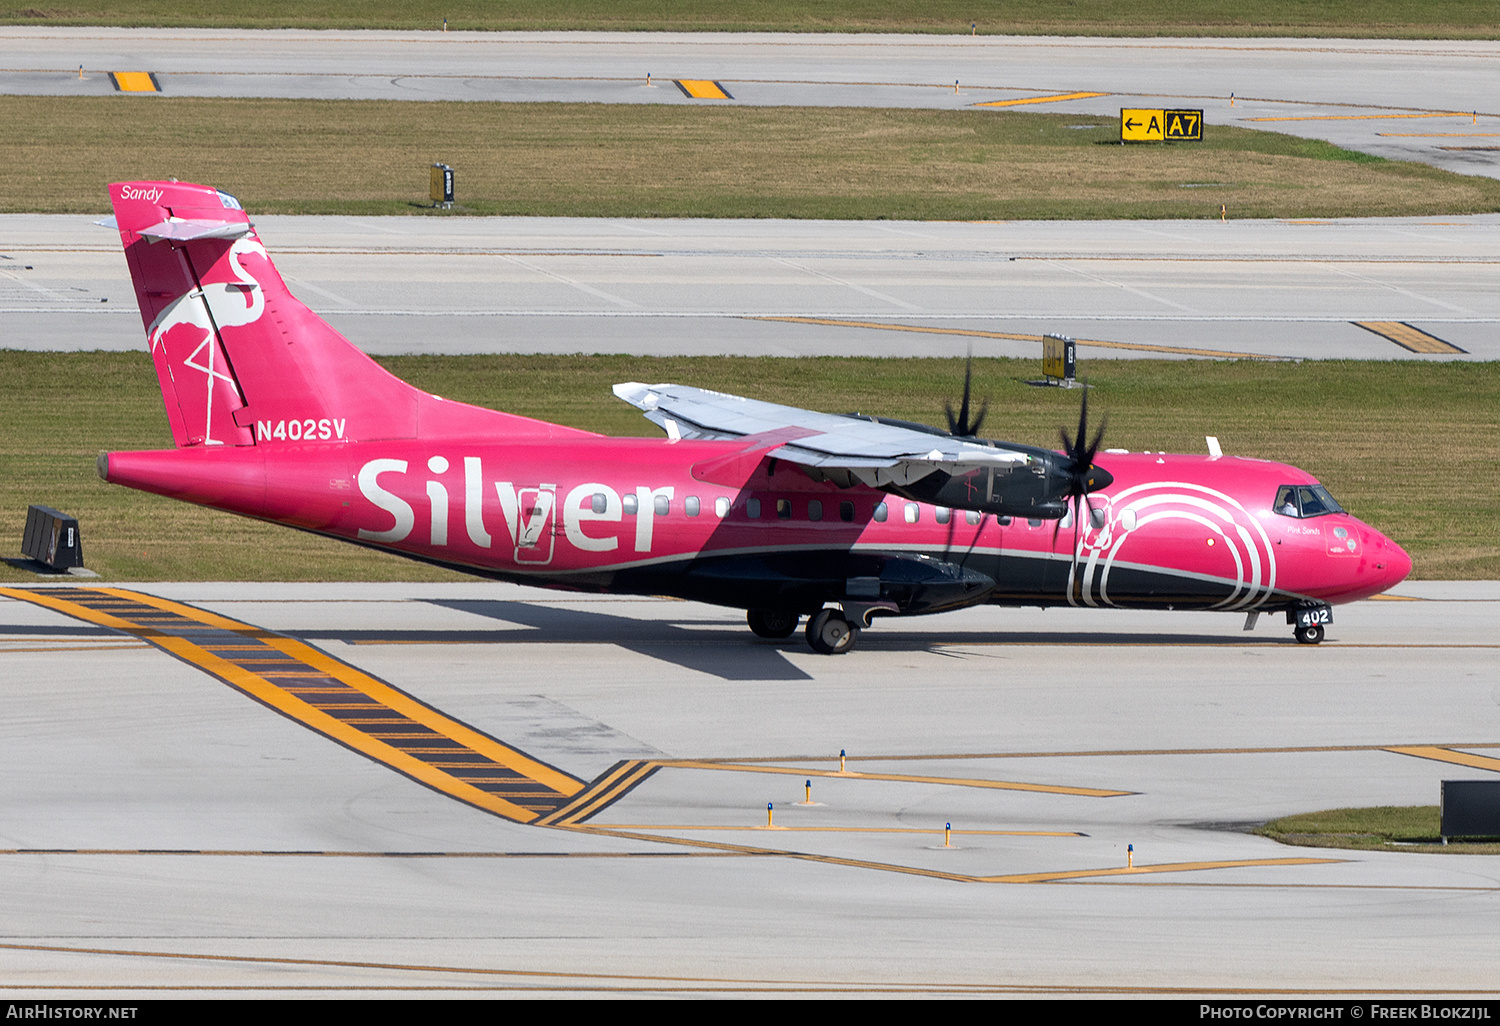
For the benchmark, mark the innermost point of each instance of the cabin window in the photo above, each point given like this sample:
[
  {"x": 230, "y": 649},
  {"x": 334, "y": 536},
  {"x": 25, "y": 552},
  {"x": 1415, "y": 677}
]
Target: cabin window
[
  {"x": 1127, "y": 518},
  {"x": 971, "y": 517},
  {"x": 944, "y": 514},
  {"x": 690, "y": 505},
  {"x": 846, "y": 512},
  {"x": 631, "y": 503},
  {"x": 598, "y": 502},
  {"x": 1005, "y": 521},
  {"x": 913, "y": 512},
  {"x": 752, "y": 509},
  {"x": 721, "y": 507},
  {"x": 1096, "y": 517},
  {"x": 881, "y": 513},
  {"x": 662, "y": 505},
  {"x": 783, "y": 509},
  {"x": 1034, "y": 521},
  {"x": 814, "y": 509}
]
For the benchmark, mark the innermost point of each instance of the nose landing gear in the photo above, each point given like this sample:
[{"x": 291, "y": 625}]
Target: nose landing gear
[
  {"x": 1310, "y": 621},
  {"x": 1309, "y": 635}
]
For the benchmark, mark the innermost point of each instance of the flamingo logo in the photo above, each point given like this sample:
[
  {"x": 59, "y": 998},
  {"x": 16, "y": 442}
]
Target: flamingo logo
[{"x": 217, "y": 304}]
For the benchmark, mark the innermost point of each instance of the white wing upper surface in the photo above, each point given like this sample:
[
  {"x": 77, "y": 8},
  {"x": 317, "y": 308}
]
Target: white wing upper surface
[{"x": 878, "y": 454}]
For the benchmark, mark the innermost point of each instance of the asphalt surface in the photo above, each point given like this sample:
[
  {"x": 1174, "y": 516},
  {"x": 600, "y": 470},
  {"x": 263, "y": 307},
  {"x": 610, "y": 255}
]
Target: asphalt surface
[
  {"x": 1286, "y": 289},
  {"x": 163, "y": 830},
  {"x": 1426, "y": 100}
]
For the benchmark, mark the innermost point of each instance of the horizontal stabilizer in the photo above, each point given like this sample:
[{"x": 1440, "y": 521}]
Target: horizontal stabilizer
[{"x": 186, "y": 230}]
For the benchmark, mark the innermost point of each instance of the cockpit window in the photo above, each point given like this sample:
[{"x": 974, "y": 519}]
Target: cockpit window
[{"x": 1304, "y": 501}]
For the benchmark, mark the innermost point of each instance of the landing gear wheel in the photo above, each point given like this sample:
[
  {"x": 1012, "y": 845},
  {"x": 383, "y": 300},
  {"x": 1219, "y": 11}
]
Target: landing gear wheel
[
  {"x": 1310, "y": 635},
  {"x": 829, "y": 633},
  {"x": 772, "y": 623}
]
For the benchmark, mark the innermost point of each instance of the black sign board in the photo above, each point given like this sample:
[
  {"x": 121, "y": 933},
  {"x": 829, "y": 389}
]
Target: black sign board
[
  {"x": 1470, "y": 808},
  {"x": 1182, "y": 125},
  {"x": 52, "y": 538}
]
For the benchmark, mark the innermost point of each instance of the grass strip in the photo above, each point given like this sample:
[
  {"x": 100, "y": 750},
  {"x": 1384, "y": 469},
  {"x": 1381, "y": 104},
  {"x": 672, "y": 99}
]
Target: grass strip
[
  {"x": 363, "y": 157},
  {"x": 1405, "y": 828},
  {"x": 1438, "y": 19},
  {"x": 1408, "y": 447}
]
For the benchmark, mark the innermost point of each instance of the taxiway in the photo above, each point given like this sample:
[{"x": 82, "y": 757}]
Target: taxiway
[
  {"x": 163, "y": 829},
  {"x": 1424, "y": 100},
  {"x": 1377, "y": 288}
]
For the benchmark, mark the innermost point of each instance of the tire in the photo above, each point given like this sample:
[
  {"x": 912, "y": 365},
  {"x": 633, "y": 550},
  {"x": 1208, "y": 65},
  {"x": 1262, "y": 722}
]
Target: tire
[
  {"x": 830, "y": 634},
  {"x": 1310, "y": 635},
  {"x": 772, "y": 623}
]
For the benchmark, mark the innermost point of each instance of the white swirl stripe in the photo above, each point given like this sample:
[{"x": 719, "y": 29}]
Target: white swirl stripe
[{"x": 1242, "y": 534}]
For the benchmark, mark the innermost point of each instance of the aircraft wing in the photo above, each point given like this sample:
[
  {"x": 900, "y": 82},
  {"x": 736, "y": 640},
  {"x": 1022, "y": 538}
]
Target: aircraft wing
[{"x": 875, "y": 453}]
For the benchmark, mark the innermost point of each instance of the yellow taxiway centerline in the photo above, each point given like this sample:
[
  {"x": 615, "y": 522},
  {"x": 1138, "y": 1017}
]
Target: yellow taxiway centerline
[
  {"x": 972, "y": 333},
  {"x": 1366, "y": 117},
  {"x": 1002, "y": 785},
  {"x": 1163, "y": 867},
  {"x": 843, "y": 830},
  {"x": 1038, "y": 99}
]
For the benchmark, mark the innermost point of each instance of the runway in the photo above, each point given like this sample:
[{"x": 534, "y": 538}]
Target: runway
[
  {"x": 1421, "y": 100},
  {"x": 174, "y": 818},
  {"x": 1379, "y": 288}
]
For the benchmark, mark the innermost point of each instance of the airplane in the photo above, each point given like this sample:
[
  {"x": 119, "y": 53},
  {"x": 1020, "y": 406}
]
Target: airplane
[{"x": 789, "y": 514}]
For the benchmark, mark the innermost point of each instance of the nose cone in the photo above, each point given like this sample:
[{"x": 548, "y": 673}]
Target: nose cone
[{"x": 1389, "y": 561}]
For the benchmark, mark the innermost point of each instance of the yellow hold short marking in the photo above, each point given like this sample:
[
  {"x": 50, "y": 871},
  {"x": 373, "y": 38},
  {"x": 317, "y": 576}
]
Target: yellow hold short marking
[
  {"x": 703, "y": 89},
  {"x": 134, "y": 81}
]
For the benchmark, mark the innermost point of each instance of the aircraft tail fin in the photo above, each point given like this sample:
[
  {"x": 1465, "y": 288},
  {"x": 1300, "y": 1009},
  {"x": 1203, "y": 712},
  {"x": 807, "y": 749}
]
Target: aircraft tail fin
[{"x": 239, "y": 359}]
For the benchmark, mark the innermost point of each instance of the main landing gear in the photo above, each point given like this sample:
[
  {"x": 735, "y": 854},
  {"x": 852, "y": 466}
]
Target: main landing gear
[
  {"x": 828, "y": 632},
  {"x": 772, "y": 623}
]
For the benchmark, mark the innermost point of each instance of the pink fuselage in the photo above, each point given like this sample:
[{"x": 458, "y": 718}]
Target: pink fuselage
[{"x": 1171, "y": 531}]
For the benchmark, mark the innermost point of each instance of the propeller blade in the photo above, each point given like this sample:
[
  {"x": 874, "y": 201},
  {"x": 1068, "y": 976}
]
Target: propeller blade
[
  {"x": 1077, "y": 515},
  {"x": 959, "y": 425},
  {"x": 1083, "y": 415},
  {"x": 1083, "y": 476},
  {"x": 984, "y": 408}
]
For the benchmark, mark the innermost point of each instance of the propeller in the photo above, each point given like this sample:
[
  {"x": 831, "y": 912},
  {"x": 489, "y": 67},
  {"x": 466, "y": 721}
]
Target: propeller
[
  {"x": 959, "y": 426},
  {"x": 1082, "y": 476}
]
